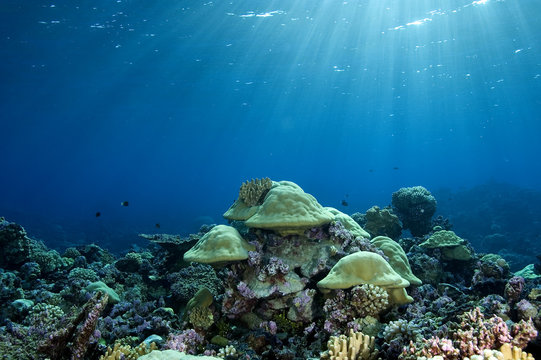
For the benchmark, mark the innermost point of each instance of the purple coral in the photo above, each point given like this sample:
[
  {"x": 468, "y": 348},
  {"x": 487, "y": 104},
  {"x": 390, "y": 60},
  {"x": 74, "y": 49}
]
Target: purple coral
[
  {"x": 302, "y": 305},
  {"x": 187, "y": 341},
  {"x": 340, "y": 234},
  {"x": 275, "y": 268},
  {"x": 525, "y": 310},
  {"x": 514, "y": 288},
  {"x": 523, "y": 332},
  {"x": 317, "y": 233},
  {"x": 238, "y": 301},
  {"x": 269, "y": 326},
  {"x": 336, "y": 311},
  {"x": 88, "y": 328},
  {"x": 254, "y": 259},
  {"x": 477, "y": 334}
]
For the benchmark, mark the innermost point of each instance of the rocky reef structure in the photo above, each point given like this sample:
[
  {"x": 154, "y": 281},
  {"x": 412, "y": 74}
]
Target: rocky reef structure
[
  {"x": 382, "y": 222},
  {"x": 287, "y": 279},
  {"x": 415, "y": 207}
]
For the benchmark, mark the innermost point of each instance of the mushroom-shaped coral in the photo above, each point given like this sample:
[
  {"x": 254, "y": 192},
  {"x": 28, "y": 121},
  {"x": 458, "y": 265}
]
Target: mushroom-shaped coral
[
  {"x": 221, "y": 244},
  {"x": 240, "y": 211},
  {"x": 452, "y": 246},
  {"x": 364, "y": 267},
  {"x": 415, "y": 207},
  {"x": 397, "y": 258},
  {"x": 288, "y": 210},
  {"x": 349, "y": 224}
]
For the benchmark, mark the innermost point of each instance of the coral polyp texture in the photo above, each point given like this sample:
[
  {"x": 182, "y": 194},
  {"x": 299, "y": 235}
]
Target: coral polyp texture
[
  {"x": 415, "y": 207},
  {"x": 355, "y": 346},
  {"x": 221, "y": 244},
  {"x": 287, "y": 279},
  {"x": 253, "y": 192},
  {"x": 365, "y": 267}
]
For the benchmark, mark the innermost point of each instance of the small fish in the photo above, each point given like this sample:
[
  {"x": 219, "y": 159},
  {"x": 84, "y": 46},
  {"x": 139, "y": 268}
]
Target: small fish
[
  {"x": 370, "y": 170},
  {"x": 124, "y": 203},
  {"x": 395, "y": 168},
  {"x": 344, "y": 203},
  {"x": 98, "y": 214},
  {"x": 157, "y": 225}
]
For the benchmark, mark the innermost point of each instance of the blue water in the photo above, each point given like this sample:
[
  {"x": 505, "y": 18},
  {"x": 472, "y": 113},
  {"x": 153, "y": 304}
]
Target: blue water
[{"x": 171, "y": 105}]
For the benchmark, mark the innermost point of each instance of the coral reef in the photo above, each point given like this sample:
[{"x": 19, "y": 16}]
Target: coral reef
[
  {"x": 286, "y": 277},
  {"x": 252, "y": 192},
  {"x": 415, "y": 207},
  {"x": 382, "y": 222},
  {"x": 355, "y": 346}
]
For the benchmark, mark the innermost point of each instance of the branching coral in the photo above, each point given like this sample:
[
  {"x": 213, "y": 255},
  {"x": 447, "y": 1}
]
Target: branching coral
[
  {"x": 522, "y": 333},
  {"x": 126, "y": 352},
  {"x": 228, "y": 351},
  {"x": 360, "y": 301},
  {"x": 252, "y": 192},
  {"x": 472, "y": 337},
  {"x": 356, "y": 346},
  {"x": 402, "y": 330},
  {"x": 73, "y": 340}
]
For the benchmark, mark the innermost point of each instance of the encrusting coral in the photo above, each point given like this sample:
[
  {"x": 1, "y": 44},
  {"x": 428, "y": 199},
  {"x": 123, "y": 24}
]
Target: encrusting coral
[{"x": 451, "y": 245}]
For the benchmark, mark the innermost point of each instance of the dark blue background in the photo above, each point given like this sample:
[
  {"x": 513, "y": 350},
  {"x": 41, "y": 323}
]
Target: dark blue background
[{"x": 171, "y": 105}]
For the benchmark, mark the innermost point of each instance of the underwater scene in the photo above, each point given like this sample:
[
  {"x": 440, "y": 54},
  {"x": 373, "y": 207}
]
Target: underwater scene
[{"x": 270, "y": 179}]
